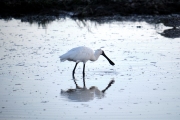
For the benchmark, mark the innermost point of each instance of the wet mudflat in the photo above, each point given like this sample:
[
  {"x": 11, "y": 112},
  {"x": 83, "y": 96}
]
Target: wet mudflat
[{"x": 34, "y": 84}]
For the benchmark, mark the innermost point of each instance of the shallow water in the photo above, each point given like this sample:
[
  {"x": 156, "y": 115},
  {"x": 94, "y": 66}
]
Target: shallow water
[{"x": 34, "y": 83}]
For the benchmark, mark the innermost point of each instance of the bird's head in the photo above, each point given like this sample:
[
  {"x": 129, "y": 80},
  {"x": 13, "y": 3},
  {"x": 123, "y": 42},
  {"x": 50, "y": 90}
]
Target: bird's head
[{"x": 99, "y": 51}]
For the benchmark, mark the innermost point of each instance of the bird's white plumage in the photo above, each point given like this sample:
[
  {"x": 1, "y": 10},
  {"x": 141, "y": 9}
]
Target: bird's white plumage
[{"x": 81, "y": 54}]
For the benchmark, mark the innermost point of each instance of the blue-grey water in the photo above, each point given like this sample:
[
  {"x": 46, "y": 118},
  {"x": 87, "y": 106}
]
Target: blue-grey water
[{"x": 34, "y": 83}]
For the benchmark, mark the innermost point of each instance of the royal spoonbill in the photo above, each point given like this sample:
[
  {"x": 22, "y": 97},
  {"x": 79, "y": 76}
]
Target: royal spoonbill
[{"x": 83, "y": 54}]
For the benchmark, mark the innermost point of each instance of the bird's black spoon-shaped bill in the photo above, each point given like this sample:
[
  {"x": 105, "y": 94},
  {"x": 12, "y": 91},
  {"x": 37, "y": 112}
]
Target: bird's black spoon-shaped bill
[{"x": 111, "y": 62}]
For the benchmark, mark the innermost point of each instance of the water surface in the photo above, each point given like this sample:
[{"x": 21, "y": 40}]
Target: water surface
[{"x": 32, "y": 78}]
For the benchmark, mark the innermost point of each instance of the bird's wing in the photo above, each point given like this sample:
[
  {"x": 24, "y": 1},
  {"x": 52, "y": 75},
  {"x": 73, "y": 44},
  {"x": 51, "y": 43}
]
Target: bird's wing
[
  {"x": 84, "y": 54},
  {"x": 79, "y": 54},
  {"x": 69, "y": 55}
]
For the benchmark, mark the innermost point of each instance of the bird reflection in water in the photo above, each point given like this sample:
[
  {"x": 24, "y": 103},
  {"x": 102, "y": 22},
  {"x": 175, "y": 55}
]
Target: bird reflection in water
[{"x": 83, "y": 94}]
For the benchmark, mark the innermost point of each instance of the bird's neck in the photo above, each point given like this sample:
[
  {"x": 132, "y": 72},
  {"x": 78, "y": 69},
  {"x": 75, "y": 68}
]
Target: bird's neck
[{"x": 95, "y": 57}]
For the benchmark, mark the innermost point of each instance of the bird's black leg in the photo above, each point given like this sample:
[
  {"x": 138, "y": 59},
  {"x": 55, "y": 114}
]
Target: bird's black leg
[
  {"x": 83, "y": 70},
  {"x": 77, "y": 87},
  {"x": 84, "y": 82},
  {"x": 74, "y": 70}
]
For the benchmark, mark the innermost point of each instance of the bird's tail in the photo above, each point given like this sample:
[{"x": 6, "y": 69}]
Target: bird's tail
[{"x": 62, "y": 59}]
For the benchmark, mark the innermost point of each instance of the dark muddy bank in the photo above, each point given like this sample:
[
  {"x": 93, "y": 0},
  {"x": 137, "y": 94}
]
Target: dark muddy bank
[
  {"x": 44, "y": 12},
  {"x": 88, "y": 8}
]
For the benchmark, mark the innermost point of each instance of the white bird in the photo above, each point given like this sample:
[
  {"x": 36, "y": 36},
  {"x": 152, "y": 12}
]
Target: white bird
[{"x": 83, "y": 54}]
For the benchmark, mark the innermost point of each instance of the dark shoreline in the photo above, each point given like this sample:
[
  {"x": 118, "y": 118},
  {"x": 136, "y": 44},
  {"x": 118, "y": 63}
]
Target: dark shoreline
[
  {"x": 43, "y": 12},
  {"x": 85, "y": 8}
]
